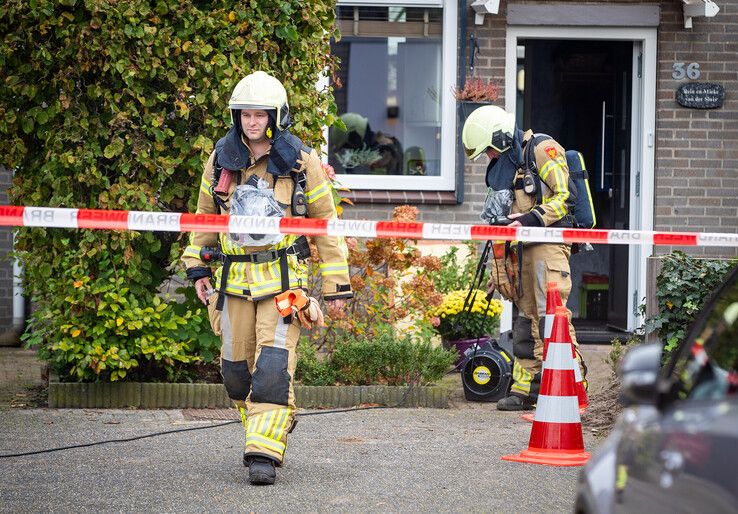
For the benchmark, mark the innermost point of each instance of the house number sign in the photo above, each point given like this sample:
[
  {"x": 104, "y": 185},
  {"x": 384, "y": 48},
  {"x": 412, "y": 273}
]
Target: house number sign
[{"x": 680, "y": 70}]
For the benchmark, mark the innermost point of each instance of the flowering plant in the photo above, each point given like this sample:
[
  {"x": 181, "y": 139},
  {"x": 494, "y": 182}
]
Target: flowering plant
[
  {"x": 454, "y": 323},
  {"x": 477, "y": 90}
]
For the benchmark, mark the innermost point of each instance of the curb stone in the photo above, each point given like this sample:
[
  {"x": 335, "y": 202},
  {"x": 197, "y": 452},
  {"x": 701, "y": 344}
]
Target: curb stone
[{"x": 208, "y": 396}]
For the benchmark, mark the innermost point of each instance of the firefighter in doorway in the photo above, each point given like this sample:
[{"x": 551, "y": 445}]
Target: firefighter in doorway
[
  {"x": 535, "y": 169},
  {"x": 260, "y": 169}
]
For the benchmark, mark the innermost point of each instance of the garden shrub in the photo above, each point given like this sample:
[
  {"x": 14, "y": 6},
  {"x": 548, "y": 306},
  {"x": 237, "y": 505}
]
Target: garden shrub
[
  {"x": 385, "y": 357},
  {"x": 682, "y": 286},
  {"x": 116, "y": 105},
  {"x": 311, "y": 369}
]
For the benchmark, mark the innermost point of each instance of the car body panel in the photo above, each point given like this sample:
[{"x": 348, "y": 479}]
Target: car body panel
[{"x": 681, "y": 454}]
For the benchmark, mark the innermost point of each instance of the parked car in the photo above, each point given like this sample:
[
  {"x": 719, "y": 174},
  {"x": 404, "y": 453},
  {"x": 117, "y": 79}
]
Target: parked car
[{"x": 675, "y": 446}]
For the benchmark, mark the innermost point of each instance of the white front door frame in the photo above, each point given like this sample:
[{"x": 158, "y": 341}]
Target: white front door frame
[{"x": 642, "y": 134}]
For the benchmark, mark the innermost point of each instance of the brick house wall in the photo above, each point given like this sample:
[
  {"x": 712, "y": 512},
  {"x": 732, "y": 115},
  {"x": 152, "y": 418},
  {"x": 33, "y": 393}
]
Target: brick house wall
[
  {"x": 696, "y": 186},
  {"x": 696, "y": 166},
  {"x": 6, "y": 266}
]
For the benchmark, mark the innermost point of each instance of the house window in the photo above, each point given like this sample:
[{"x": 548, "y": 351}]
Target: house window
[{"x": 393, "y": 92}]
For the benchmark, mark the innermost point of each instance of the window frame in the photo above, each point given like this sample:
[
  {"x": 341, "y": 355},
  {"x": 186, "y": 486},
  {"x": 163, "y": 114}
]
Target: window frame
[{"x": 446, "y": 181}]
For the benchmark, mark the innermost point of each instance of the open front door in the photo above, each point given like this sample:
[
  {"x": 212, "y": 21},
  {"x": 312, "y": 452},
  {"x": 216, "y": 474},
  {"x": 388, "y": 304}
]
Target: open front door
[{"x": 580, "y": 93}]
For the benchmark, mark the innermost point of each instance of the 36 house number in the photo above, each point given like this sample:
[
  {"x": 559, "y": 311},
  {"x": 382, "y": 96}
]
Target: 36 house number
[{"x": 681, "y": 70}]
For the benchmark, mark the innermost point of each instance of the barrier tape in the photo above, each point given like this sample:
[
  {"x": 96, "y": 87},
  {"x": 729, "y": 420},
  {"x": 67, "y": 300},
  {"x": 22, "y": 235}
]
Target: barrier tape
[{"x": 183, "y": 222}]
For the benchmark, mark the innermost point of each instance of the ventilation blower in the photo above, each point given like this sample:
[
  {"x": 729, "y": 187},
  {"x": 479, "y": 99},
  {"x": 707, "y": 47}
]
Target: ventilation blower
[{"x": 486, "y": 372}]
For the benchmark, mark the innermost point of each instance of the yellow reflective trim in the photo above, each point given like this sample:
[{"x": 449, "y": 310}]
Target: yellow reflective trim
[
  {"x": 591, "y": 205},
  {"x": 282, "y": 426},
  {"x": 317, "y": 197},
  {"x": 336, "y": 272},
  {"x": 252, "y": 423},
  {"x": 260, "y": 440},
  {"x": 242, "y": 279},
  {"x": 621, "y": 479},
  {"x": 242, "y": 412},
  {"x": 275, "y": 432},
  {"x": 334, "y": 268},
  {"x": 266, "y": 422},
  {"x": 546, "y": 169},
  {"x": 273, "y": 285},
  {"x": 192, "y": 251},
  {"x": 274, "y": 421},
  {"x": 323, "y": 186},
  {"x": 205, "y": 186}
]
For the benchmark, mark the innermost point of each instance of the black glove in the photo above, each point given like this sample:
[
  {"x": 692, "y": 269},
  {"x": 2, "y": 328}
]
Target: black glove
[{"x": 197, "y": 272}]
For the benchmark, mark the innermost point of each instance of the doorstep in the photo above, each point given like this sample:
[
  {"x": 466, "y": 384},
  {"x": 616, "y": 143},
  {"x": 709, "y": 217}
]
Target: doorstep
[{"x": 123, "y": 395}]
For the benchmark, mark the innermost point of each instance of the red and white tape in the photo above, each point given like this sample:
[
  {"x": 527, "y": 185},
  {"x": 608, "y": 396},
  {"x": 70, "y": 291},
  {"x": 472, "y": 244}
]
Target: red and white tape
[{"x": 182, "y": 222}]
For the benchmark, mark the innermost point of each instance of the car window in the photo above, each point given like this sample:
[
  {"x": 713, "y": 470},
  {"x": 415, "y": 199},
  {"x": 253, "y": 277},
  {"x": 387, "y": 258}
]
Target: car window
[{"x": 706, "y": 364}]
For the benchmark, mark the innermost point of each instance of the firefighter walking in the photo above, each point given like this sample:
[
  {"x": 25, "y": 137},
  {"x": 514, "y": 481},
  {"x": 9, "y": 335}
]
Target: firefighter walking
[{"x": 260, "y": 165}]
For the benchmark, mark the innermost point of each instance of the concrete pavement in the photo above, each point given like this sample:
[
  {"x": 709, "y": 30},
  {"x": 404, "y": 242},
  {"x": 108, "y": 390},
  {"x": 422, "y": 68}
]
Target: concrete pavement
[{"x": 398, "y": 460}]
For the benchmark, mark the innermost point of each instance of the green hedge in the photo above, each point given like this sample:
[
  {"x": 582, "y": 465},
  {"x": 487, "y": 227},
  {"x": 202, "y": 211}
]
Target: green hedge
[{"x": 116, "y": 105}]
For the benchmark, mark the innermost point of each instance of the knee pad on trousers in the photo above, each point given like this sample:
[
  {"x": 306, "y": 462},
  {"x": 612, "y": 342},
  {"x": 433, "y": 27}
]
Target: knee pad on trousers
[
  {"x": 271, "y": 382},
  {"x": 523, "y": 343},
  {"x": 236, "y": 379}
]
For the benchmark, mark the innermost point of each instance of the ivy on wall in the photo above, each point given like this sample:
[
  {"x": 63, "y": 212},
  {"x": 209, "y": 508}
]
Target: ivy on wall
[
  {"x": 116, "y": 105},
  {"x": 682, "y": 286}
]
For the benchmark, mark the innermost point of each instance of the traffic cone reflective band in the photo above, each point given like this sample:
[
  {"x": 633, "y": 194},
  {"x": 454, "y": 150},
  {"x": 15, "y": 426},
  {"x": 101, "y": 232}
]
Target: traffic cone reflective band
[
  {"x": 556, "y": 436},
  {"x": 553, "y": 300}
]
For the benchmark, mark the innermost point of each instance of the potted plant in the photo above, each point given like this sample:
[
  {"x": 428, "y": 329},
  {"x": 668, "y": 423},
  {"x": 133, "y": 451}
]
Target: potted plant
[
  {"x": 475, "y": 93},
  {"x": 461, "y": 328},
  {"x": 358, "y": 160}
]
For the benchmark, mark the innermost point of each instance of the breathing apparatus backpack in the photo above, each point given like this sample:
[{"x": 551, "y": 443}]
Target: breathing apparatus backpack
[{"x": 583, "y": 211}]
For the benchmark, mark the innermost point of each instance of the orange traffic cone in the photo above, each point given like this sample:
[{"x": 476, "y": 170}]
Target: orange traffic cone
[
  {"x": 556, "y": 436},
  {"x": 553, "y": 300}
]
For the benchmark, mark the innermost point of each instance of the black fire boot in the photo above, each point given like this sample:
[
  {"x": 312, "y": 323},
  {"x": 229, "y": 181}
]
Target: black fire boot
[
  {"x": 515, "y": 402},
  {"x": 261, "y": 471}
]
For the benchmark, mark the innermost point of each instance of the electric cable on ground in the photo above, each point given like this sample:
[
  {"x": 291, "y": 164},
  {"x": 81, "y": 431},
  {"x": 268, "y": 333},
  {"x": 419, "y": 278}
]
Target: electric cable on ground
[{"x": 155, "y": 434}]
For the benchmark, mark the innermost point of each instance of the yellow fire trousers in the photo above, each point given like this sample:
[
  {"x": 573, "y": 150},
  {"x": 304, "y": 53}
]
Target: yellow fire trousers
[
  {"x": 542, "y": 263},
  {"x": 258, "y": 362}
]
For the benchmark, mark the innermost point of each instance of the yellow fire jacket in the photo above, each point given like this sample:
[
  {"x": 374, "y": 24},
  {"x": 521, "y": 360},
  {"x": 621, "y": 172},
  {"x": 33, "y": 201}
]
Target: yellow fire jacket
[
  {"x": 257, "y": 281},
  {"x": 556, "y": 192}
]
